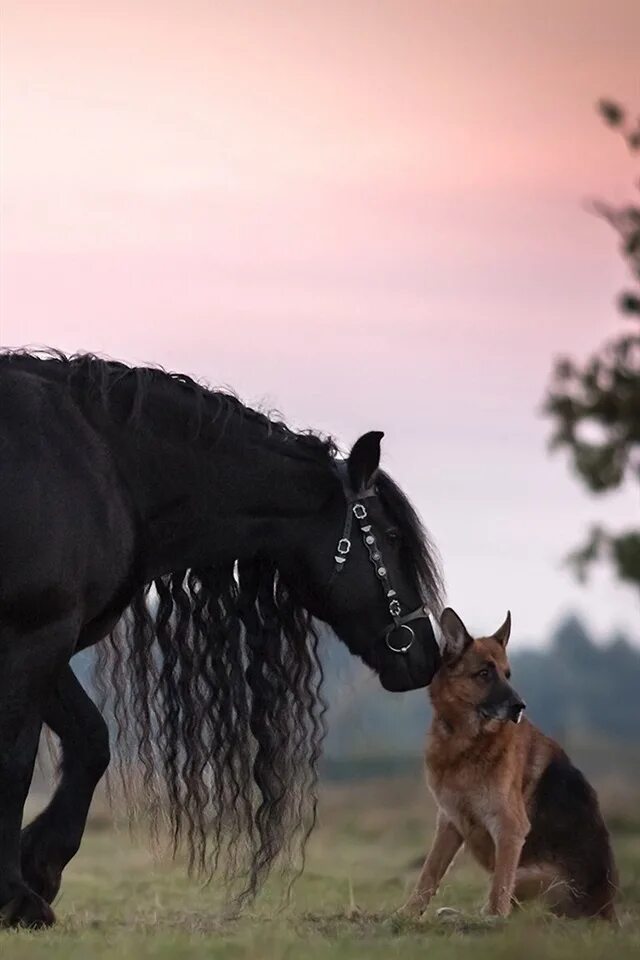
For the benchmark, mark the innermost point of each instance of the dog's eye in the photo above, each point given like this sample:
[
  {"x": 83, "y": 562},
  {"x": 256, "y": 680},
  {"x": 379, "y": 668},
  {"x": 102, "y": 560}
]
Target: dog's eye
[{"x": 483, "y": 674}]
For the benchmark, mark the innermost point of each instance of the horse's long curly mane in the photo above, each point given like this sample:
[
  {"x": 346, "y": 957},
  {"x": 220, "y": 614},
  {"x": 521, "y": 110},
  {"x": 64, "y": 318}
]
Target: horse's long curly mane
[{"x": 212, "y": 675}]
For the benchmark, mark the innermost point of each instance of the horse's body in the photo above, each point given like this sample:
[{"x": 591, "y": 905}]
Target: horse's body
[{"x": 113, "y": 479}]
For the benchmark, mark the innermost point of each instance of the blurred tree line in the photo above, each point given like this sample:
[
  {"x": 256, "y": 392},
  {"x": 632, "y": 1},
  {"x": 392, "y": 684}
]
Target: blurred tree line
[
  {"x": 595, "y": 406},
  {"x": 573, "y": 687}
]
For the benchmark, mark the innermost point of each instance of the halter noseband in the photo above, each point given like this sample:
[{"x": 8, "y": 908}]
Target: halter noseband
[{"x": 357, "y": 508}]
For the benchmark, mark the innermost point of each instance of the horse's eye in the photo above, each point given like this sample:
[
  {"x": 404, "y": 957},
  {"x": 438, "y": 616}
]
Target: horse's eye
[{"x": 392, "y": 535}]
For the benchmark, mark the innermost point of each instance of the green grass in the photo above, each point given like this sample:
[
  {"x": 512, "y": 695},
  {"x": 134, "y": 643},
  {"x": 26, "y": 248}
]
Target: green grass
[{"x": 117, "y": 902}]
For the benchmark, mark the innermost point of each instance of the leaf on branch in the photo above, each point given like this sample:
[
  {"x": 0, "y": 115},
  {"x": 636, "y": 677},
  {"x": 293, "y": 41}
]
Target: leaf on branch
[
  {"x": 564, "y": 369},
  {"x": 601, "y": 466},
  {"x": 625, "y": 550},
  {"x": 633, "y": 140},
  {"x": 629, "y": 302},
  {"x": 611, "y": 112},
  {"x": 581, "y": 559}
]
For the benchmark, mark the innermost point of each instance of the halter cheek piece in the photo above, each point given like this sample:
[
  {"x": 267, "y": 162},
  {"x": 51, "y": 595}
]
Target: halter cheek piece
[{"x": 356, "y": 508}]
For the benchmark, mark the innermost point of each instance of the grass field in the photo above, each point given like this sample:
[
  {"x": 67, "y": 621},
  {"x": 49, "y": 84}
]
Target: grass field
[{"x": 117, "y": 902}]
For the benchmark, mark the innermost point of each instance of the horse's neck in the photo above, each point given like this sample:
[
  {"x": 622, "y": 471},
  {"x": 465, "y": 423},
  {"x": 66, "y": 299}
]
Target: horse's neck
[{"x": 212, "y": 499}]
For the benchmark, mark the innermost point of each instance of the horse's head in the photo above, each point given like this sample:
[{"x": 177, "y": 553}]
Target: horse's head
[{"x": 365, "y": 567}]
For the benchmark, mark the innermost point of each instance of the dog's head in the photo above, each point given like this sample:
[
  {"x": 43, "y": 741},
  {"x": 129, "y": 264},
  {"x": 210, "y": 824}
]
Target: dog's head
[{"x": 474, "y": 675}]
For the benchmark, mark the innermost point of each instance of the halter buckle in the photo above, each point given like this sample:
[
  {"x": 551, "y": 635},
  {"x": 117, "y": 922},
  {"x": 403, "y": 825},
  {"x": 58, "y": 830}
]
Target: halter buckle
[
  {"x": 344, "y": 545},
  {"x": 359, "y": 511}
]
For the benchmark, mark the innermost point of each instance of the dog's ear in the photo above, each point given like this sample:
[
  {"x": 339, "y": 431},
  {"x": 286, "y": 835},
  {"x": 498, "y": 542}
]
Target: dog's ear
[
  {"x": 503, "y": 633},
  {"x": 455, "y": 634}
]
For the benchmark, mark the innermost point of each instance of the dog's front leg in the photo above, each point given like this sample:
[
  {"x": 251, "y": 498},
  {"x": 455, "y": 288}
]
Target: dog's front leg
[
  {"x": 446, "y": 843},
  {"x": 509, "y": 836}
]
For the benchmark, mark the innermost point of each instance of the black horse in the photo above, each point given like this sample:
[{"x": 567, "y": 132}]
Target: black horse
[{"x": 203, "y": 539}]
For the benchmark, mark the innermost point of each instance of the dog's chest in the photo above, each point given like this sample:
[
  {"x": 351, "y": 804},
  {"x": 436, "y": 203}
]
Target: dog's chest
[
  {"x": 472, "y": 812},
  {"x": 469, "y": 808}
]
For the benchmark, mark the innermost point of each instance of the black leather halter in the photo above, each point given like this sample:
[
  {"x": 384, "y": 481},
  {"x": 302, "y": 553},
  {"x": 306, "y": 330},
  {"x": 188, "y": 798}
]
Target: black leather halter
[{"x": 356, "y": 508}]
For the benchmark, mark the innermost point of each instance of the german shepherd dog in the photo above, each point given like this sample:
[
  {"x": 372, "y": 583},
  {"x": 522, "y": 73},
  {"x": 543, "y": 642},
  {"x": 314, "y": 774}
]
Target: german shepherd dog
[{"x": 507, "y": 792}]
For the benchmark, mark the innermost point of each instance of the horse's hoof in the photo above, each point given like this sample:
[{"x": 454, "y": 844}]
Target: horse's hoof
[{"x": 27, "y": 909}]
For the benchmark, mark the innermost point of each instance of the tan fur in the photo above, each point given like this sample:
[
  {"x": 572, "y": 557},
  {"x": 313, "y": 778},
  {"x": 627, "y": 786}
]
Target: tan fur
[{"x": 483, "y": 774}]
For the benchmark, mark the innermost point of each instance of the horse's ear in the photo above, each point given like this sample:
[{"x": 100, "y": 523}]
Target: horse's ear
[
  {"x": 456, "y": 637},
  {"x": 364, "y": 460},
  {"x": 503, "y": 633}
]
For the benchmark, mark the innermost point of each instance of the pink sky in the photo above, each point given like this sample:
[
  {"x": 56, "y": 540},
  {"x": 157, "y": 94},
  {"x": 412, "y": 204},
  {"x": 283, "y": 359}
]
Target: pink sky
[{"x": 368, "y": 214}]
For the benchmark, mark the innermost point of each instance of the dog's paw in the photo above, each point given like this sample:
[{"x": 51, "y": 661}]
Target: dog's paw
[
  {"x": 407, "y": 914},
  {"x": 409, "y": 911},
  {"x": 490, "y": 913}
]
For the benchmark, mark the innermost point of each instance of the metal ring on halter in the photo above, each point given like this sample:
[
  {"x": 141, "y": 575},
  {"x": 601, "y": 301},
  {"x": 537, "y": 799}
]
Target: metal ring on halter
[{"x": 402, "y": 626}]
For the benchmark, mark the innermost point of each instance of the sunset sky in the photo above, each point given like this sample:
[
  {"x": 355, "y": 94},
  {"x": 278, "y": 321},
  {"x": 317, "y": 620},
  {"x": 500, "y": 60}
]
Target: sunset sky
[{"x": 366, "y": 214}]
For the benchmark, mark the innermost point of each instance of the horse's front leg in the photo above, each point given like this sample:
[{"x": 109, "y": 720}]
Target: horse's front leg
[
  {"x": 28, "y": 661},
  {"x": 54, "y": 836}
]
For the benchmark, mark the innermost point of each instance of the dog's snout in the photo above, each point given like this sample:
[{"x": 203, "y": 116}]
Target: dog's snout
[{"x": 503, "y": 703}]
